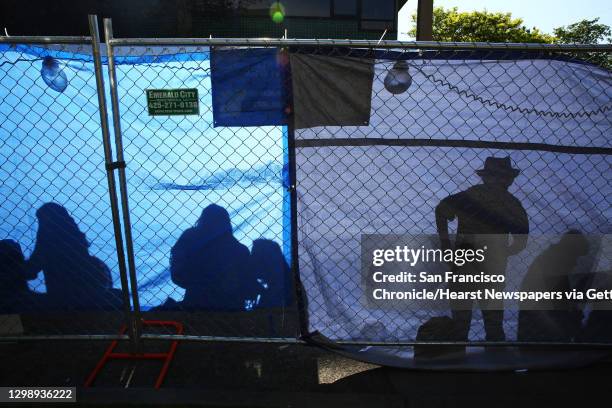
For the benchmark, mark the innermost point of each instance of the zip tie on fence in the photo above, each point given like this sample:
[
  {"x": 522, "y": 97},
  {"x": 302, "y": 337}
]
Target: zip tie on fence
[{"x": 115, "y": 165}]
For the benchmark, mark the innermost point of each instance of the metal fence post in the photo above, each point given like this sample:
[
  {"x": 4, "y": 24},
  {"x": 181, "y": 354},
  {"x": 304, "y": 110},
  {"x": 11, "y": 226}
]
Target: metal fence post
[
  {"x": 301, "y": 300},
  {"x": 109, "y": 164},
  {"x": 120, "y": 165}
]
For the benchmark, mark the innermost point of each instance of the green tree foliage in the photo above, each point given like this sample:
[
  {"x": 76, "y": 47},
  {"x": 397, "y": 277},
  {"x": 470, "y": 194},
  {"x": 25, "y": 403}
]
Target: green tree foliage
[
  {"x": 583, "y": 32},
  {"x": 481, "y": 26},
  {"x": 587, "y": 32}
]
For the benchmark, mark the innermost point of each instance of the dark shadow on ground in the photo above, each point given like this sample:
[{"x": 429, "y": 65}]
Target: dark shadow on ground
[{"x": 272, "y": 375}]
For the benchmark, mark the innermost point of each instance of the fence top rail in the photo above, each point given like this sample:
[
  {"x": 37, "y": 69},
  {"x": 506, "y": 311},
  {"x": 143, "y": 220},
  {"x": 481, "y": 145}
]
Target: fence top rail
[
  {"x": 44, "y": 40},
  {"x": 276, "y": 42},
  {"x": 432, "y": 45}
]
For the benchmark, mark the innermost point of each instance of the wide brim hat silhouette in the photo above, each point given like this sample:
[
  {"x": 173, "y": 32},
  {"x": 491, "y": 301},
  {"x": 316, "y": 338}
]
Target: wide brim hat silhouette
[{"x": 498, "y": 166}]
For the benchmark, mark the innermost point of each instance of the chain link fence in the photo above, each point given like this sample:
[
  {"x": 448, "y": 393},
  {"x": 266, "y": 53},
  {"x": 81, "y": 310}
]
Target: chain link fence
[
  {"x": 60, "y": 271},
  {"x": 204, "y": 198},
  {"x": 424, "y": 152},
  {"x": 253, "y": 233}
]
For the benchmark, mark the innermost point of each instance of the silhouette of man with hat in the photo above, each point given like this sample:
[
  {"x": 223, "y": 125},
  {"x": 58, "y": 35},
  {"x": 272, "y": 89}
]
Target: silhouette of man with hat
[{"x": 488, "y": 216}]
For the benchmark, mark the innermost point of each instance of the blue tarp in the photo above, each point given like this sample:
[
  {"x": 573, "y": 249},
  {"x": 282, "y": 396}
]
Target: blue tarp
[{"x": 177, "y": 166}]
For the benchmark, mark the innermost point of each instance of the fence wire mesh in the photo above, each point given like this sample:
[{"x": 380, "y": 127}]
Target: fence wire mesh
[
  {"x": 208, "y": 205},
  {"x": 59, "y": 261},
  {"x": 423, "y": 152},
  {"x": 222, "y": 216}
]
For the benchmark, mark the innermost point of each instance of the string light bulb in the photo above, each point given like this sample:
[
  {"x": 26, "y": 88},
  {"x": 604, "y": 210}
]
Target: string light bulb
[
  {"x": 398, "y": 79},
  {"x": 53, "y": 75}
]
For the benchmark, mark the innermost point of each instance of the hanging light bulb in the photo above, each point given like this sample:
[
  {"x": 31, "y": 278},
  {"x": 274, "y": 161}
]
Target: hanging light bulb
[
  {"x": 398, "y": 78},
  {"x": 53, "y": 75}
]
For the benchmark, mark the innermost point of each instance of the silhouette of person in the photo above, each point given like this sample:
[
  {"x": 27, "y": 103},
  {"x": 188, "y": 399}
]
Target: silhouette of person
[
  {"x": 15, "y": 296},
  {"x": 556, "y": 320},
  {"x": 488, "y": 215},
  {"x": 74, "y": 278},
  {"x": 211, "y": 264},
  {"x": 273, "y": 273}
]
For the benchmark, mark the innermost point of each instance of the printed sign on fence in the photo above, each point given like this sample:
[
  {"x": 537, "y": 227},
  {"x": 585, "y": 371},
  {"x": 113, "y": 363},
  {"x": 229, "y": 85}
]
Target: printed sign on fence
[{"x": 161, "y": 102}]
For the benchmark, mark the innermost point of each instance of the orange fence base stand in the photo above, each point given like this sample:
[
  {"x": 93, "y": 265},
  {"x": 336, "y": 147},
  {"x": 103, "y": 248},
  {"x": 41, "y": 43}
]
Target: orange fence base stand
[{"x": 166, "y": 357}]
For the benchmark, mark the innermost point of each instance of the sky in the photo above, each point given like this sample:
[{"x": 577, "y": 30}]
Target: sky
[{"x": 543, "y": 14}]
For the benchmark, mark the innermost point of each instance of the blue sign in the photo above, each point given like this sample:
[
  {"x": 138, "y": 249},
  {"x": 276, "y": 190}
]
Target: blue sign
[{"x": 248, "y": 87}]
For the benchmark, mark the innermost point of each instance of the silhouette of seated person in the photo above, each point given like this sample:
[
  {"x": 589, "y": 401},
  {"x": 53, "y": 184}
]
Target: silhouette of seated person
[
  {"x": 15, "y": 295},
  {"x": 75, "y": 280},
  {"x": 274, "y": 278},
  {"x": 553, "y": 320},
  {"x": 488, "y": 215},
  {"x": 210, "y": 264}
]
